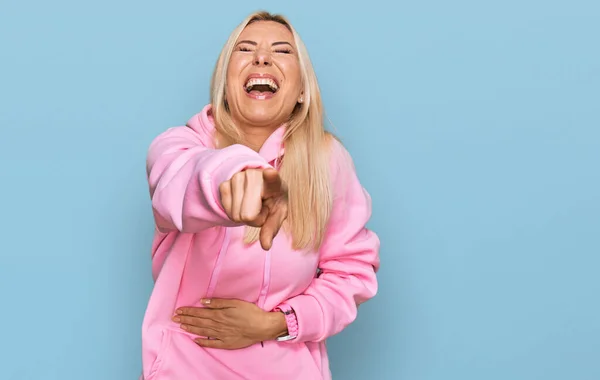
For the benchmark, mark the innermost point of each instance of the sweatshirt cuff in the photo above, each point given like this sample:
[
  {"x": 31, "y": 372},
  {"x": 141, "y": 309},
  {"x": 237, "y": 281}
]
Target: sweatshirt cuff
[
  {"x": 309, "y": 316},
  {"x": 238, "y": 158}
]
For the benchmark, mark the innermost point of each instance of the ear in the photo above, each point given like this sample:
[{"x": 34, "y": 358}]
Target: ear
[{"x": 301, "y": 97}]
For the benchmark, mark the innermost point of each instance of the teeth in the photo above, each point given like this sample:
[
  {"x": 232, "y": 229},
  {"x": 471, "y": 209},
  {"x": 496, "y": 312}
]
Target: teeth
[{"x": 264, "y": 81}]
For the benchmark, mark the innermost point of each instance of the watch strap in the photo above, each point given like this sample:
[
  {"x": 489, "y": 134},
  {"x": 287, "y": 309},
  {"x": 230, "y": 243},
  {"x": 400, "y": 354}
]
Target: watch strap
[{"x": 291, "y": 322}]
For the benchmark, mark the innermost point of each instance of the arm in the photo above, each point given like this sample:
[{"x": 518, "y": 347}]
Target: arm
[
  {"x": 184, "y": 177},
  {"x": 349, "y": 260}
]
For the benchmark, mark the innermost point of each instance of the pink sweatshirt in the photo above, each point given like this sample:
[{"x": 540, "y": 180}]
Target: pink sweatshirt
[{"x": 198, "y": 252}]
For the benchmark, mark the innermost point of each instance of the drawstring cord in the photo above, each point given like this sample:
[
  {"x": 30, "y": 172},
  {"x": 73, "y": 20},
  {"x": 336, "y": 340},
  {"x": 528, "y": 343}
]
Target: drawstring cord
[{"x": 267, "y": 266}]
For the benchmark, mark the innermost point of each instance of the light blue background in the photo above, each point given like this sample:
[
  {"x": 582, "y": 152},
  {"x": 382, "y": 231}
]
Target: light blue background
[{"x": 474, "y": 125}]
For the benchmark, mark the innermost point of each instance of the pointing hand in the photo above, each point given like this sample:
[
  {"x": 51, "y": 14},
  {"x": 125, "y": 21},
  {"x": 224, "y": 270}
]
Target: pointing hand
[{"x": 258, "y": 198}]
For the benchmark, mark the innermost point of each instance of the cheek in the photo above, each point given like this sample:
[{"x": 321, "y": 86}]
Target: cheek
[
  {"x": 232, "y": 88},
  {"x": 292, "y": 75},
  {"x": 230, "y": 95},
  {"x": 234, "y": 71}
]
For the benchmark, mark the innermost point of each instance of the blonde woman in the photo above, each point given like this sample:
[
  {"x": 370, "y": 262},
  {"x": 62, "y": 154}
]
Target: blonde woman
[{"x": 261, "y": 251}]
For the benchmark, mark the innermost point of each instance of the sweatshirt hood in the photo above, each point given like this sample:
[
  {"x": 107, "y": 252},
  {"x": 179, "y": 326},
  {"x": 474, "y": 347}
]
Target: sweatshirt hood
[{"x": 203, "y": 124}]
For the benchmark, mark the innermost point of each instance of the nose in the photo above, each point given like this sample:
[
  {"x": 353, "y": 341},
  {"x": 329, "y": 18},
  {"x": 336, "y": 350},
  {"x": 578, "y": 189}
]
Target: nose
[{"x": 262, "y": 57}]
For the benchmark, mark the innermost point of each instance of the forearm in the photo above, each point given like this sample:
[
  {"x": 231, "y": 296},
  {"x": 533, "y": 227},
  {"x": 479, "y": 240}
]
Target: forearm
[
  {"x": 331, "y": 303},
  {"x": 184, "y": 179}
]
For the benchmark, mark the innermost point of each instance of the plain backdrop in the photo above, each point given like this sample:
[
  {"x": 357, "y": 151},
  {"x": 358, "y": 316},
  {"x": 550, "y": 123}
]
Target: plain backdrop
[{"x": 474, "y": 125}]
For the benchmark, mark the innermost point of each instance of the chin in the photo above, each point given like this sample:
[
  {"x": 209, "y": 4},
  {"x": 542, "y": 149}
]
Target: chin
[
  {"x": 260, "y": 119},
  {"x": 259, "y": 115}
]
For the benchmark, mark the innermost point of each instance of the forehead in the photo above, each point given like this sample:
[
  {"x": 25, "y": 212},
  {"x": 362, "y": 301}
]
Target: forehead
[{"x": 266, "y": 31}]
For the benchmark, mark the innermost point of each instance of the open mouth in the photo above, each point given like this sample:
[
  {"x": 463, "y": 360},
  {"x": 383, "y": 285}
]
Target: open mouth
[{"x": 261, "y": 86}]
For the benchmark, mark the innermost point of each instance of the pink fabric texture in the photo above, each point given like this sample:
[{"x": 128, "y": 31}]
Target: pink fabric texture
[{"x": 198, "y": 252}]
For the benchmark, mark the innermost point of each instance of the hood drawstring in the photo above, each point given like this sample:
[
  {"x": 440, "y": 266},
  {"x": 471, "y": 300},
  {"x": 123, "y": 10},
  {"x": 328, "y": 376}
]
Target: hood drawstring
[{"x": 267, "y": 264}]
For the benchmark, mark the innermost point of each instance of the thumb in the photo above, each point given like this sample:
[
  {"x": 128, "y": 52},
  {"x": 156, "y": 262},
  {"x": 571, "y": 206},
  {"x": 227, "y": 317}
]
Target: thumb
[{"x": 272, "y": 183}]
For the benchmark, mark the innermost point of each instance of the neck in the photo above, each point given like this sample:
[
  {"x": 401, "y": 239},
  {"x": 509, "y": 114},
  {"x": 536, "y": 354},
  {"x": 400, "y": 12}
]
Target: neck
[{"x": 256, "y": 136}]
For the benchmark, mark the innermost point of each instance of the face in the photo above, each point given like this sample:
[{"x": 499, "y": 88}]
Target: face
[{"x": 263, "y": 77}]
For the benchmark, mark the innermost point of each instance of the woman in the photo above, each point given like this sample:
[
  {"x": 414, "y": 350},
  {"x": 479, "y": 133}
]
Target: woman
[{"x": 261, "y": 251}]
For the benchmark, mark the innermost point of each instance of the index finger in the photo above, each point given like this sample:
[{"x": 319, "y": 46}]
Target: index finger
[{"x": 199, "y": 312}]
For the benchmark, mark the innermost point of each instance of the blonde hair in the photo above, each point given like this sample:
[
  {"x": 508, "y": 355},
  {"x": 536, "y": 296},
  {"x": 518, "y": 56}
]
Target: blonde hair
[{"x": 305, "y": 165}]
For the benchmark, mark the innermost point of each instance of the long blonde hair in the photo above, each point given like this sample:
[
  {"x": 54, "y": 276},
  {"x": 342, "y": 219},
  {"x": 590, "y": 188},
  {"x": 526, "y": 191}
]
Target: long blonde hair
[{"x": 305, "y": 165}]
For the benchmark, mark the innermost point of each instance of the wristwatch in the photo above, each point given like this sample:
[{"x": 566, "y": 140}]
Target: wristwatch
[{"x": 290, "y": 320}]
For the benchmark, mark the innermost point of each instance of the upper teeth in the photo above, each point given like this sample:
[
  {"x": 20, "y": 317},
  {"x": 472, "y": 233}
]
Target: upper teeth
[{"x": 256, "y": 81}]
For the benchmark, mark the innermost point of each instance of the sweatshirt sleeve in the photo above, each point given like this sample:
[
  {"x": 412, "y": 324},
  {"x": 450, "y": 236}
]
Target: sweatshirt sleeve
[
  {"x": 184, "y": 177},
  {"x": 349, "y": 260}
]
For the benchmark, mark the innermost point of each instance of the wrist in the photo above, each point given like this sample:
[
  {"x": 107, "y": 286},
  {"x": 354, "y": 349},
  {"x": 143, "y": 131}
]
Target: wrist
[
  {"x": 291, "y": 322},
  {"x": 276, "y": 325}
]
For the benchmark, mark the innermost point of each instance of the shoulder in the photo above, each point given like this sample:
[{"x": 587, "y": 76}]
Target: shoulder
[
  {"x": 197, "y": 131},
  {"x": 348, "y": 193},
  {"x": 340, "y": 159}
]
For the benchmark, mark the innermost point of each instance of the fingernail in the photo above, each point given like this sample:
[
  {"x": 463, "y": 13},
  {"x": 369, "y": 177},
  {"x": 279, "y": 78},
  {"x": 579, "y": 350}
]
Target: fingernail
[
  {"x": 179, "y": 311},
  {"x": 205, "y": 301},
  {"x": 184, "y": 327},
  {"x": 176, "y": 319}
]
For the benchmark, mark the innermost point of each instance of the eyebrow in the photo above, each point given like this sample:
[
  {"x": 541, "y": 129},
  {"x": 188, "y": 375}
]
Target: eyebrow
[
  {"x": 281, "y": 43},
  {"x": 273, "y": 44}
]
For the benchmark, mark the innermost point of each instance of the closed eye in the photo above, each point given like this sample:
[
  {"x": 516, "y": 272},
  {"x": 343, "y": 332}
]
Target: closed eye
[{"x": 283, "y": 51}]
